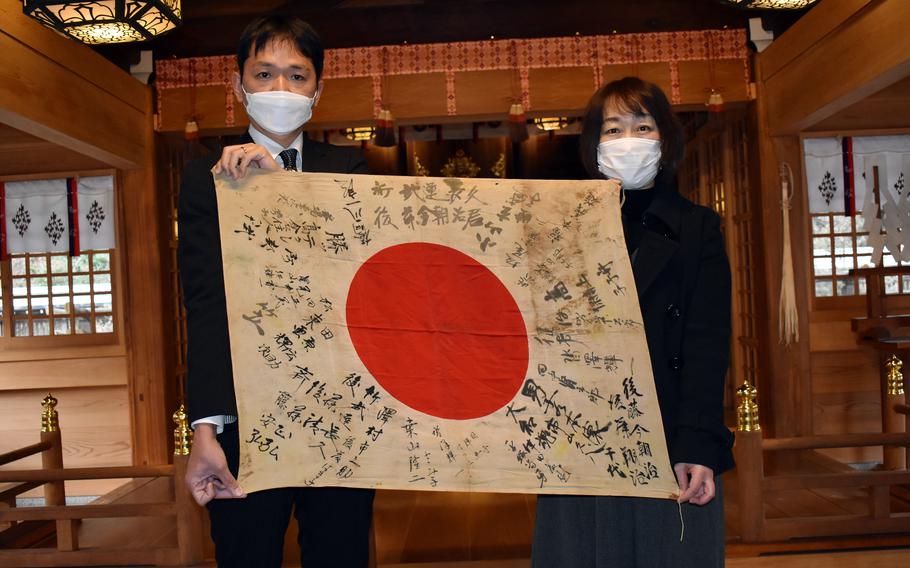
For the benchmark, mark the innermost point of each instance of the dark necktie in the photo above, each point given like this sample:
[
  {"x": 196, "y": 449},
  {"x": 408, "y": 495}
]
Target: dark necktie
[{"x": 289, "y": 158}]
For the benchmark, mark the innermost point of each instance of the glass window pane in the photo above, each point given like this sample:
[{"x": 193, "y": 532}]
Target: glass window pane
[
  {"x": 822, "y": 266},
  {"x": 80, "y": 263},
  {"x": 824, "y": 288},
  {"x": 20, "y": 328},
  {"x": 81, "y": 284},
  {"x": 888, "y": 260},
  {"x": 18, "y": 266},
  {"x": 20, "y": 306},
  {"x": 83, "y": 325},
  {"x": 843, "y": 224},
  {"x": 37, "y": 265},
  {"x": 59, "y": 264},
  {"x": 821, "y": 225},
  {"x": 102, "y": 302},
  {"x": 61, "y": 284},
  {"x": 101, "y": 261},
  {"x": 891, "y": 285},
  {"x": 19, "y": 288},
  {"x": 82, "y": 304},
  {"x": 862, "y": 245},
  {"x": 38, "y": 286},
  {"x": 104, "y": 324},
  {"x": 40, "y": 306},
  {"x": 905, "y": 283},
  {"x": 101, "y": 282},
  {"x": 863, "y": 261},
  {"x": 41, "y": 327},
  {"x": 821, "y": 246},
  {"x": 843, "y": 264},
  {"x": 61, "y": 326},
  {"x": 843, "y": 245},
  {"x": 845, "y": 287},
  {"x": 862, "y": 286},
  {"x": 61, "y": 305},
  {"x": 860, "y": 223}
]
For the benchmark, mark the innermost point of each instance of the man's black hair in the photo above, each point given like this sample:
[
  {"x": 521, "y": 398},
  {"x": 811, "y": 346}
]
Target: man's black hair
[{"x": 266, "y": 29}]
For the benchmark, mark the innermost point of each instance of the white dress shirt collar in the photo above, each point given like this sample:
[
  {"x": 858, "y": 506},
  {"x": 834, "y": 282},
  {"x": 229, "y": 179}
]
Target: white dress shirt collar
[{"x": 274, "y": 148}]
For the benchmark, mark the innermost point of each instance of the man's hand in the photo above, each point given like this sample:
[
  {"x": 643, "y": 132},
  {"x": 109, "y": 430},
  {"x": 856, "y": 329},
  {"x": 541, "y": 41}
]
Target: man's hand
[
  {"x": 696, "y": 483},
  {"x": 236, "y": 159},
  {"x": 207, "y": 473}
]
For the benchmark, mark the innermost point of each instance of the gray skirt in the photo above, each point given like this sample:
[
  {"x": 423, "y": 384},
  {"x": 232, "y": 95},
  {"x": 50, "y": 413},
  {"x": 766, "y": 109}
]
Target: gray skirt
[{"x": 620, "y": 532}]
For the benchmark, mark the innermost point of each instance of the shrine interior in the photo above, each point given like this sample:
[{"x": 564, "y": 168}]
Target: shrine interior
[{"x": 774, "y": 102}]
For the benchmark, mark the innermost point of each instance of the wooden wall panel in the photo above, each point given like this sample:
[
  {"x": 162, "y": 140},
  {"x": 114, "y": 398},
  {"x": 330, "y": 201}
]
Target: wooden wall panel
[
  {"x": 416, "y": 96},
  {"x": 209, "y": 102},
  {"x": 345, "y": 101},
  {"x": 560, "y": 88},
  {"x": 69, "y": 373},
  {"x": 657, "y": 73},
  {"x": 95, "y": 426},
  {"x": 485, "y": 92},
  {"x": 695, "y": 81},
  {"x": 40, "y": 95}
]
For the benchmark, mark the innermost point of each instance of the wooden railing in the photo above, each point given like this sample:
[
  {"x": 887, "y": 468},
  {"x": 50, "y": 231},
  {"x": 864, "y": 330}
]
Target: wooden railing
[
  {"x": 188, "y": 516},
  {"x": 754, "y": 484}
]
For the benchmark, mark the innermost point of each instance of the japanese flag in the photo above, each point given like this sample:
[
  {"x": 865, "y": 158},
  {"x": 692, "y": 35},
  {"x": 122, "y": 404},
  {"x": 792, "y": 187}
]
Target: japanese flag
[{"x": 429, "y": 333}]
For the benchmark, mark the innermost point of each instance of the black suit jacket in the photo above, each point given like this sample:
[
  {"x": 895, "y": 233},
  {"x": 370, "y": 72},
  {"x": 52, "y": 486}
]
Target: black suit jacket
[
  {"x": 210, "y": 383},
  {"x": 683, "y": 280}
]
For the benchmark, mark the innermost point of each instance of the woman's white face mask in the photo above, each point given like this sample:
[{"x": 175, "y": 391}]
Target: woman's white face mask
[
  {"x": 279, "y": 112},
  {"x": 634, "y": 162}
]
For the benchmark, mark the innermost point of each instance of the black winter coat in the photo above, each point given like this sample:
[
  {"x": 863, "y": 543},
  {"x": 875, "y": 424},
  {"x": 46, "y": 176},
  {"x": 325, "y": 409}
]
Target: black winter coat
[{"x": 683, "y": 280}]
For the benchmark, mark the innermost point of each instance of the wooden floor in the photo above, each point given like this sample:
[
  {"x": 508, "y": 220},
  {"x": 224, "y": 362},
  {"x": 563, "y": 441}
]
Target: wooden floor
[{"x": 458, "y": 530}]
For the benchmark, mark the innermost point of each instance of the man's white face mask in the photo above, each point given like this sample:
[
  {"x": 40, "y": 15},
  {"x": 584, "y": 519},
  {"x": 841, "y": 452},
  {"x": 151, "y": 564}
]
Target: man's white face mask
[
  {"x": 632, "y": 161},
  {"x": 279, "y": 112}
]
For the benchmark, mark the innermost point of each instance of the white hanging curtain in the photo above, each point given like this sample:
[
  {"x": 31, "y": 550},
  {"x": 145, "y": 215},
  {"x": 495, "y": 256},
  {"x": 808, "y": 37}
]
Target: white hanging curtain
[
  {"x": 96, "y": 213},
  {"x": 36, "y": 216}
]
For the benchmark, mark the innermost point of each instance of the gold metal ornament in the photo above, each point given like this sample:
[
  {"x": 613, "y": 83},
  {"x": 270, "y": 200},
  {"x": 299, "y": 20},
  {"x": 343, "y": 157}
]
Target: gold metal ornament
[
  {"x": 49, "y": 420},
  {"x": 183, "y": 435},
  {"x": 747, "y": 410}
]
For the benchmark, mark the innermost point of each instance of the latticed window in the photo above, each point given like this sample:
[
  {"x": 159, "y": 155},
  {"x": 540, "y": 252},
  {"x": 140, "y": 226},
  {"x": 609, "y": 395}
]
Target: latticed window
[
  {"x": 54, "y": 294},
  {"x": 839, "y": 244}
]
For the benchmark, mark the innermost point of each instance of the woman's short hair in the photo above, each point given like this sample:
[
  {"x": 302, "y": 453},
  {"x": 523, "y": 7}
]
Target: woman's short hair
[
  {"x": 262, "y": 31},
  {"x": 637, "y": 96}
]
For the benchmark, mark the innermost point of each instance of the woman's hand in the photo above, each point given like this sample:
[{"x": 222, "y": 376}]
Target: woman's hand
[
  {"x": 696, "y": 483},
  {"x": 236, "y": 159}
]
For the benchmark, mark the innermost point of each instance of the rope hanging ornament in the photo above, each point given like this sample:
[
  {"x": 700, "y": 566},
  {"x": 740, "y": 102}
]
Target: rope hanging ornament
[
  {"x": 788, "y": 331},
  {"x": 715, "y": 102},
  {"x": 191, "y": 128},
  {"x": 385, "y": 122},
  {"x": 518, "y": 127}
]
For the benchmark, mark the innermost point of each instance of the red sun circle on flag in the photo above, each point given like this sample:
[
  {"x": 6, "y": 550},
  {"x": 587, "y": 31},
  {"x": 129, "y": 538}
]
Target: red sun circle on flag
[{"x": 438, "y": 330}]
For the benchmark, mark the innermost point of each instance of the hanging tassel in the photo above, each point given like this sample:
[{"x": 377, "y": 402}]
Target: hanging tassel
[
  {"x": 191, "y": 130},
  {"x": 385, "y": 129},
  {"x": 518, "y": 127},
  {"x": 716, "y": 109},
  {"x": 788, "y": 331}
]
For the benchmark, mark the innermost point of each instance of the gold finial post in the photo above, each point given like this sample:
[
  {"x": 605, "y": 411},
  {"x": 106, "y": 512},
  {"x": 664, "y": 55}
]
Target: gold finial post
[
  {"x": 49, "y": 419},
  {"x": 747, "y": 410},
  {"x": 895, "y": 380},
  {"x": 183, "y": 435}
]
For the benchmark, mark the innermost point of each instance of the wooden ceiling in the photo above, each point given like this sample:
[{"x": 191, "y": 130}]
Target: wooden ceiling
[
  {"x": 22, "y": 153},
  {"x": 211, "y": 27}
]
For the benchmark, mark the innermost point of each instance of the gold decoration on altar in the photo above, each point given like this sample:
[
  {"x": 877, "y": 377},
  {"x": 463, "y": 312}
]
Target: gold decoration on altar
[
  {"x": 419, "y": 170},
  {"x": 359, "y": 133},
  {"x": 499, "y": 168},
  {"x": 183, "y": 435},
  {"x": 895, "y": 380},
  {"x": 772, "y": 4},
  {"x": 747, "y": 410},
  {"x": 461, "y": 166},
  {"x": 49, "y": 420},
  {"x": 551, "y": 123}
]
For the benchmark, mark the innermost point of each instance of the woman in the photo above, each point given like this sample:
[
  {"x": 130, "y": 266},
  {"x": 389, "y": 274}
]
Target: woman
[{"x": 631, "y": 136}]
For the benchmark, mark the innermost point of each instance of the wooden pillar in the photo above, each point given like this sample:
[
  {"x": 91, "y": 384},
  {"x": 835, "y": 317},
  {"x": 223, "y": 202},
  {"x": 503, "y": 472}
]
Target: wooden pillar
[
  {"x": 749, "y": 465},
  {"x": 52, "y": 458},
  {"x": 189, "y": 514}
]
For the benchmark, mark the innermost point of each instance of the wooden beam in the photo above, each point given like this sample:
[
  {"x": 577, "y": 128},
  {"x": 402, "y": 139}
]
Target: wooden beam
[
  {"x": 164, "y": 556},
  {"x": 867, "y": 52},
  {"x": 61, "y": 91}
]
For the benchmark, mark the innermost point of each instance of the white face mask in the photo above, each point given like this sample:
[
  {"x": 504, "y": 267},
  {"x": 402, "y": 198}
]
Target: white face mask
[
  {"x": 633, "y": 161},
  {"x": 279, "y": 112}
]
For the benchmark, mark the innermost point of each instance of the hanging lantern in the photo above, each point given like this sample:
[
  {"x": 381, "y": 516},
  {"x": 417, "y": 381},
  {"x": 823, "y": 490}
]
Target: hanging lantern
[
  {"x": 107, "y": 21},
  {"x": 518, "y": 127},
  {"x": 385, "y": 129},
  {"x": 191, "y": 130}
]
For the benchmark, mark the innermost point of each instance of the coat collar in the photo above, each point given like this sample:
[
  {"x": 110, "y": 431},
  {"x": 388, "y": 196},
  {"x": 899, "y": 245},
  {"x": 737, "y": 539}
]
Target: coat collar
[
  {"x": 312, "y": 154},
  {"x": 660, "y": 240}
]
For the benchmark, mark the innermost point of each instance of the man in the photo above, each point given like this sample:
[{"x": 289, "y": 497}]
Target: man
[{"x": 279, "y": 81}]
